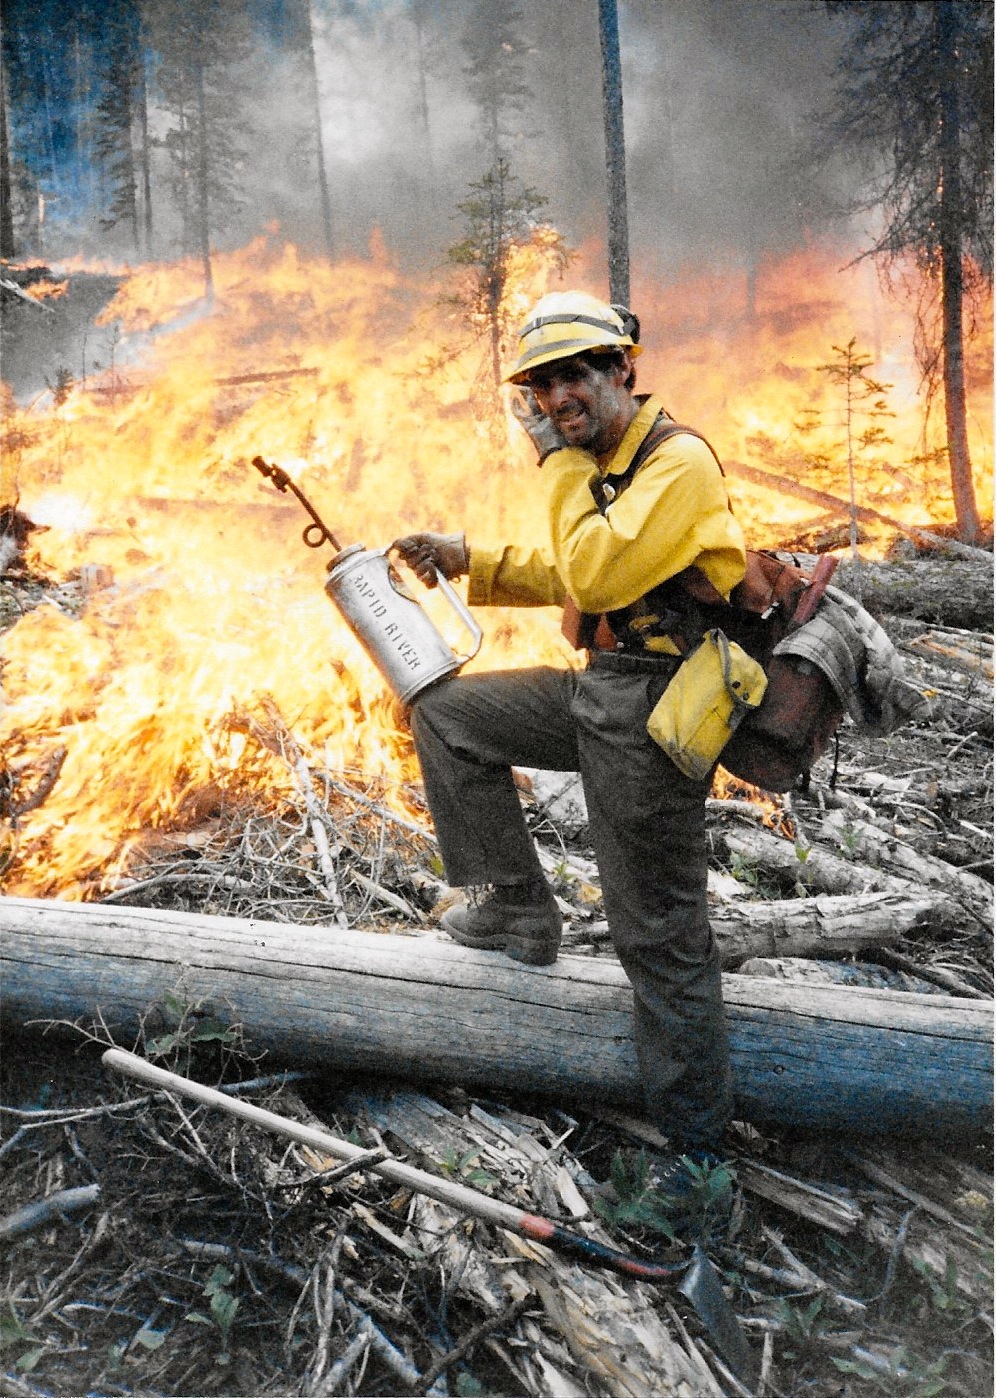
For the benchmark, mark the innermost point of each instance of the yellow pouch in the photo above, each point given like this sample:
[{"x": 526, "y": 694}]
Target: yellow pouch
[{"x": 695, "y": 717}]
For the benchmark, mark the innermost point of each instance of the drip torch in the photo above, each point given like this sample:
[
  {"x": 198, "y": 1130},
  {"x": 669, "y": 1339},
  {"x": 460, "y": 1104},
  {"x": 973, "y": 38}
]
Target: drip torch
[{"x": 383, "y": 614}]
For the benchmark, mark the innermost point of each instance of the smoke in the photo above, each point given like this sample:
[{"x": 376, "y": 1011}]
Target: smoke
[{"x": 715, "y": 94}]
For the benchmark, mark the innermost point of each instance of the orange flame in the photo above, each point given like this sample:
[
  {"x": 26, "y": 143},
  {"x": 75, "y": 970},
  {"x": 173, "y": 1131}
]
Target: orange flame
[{"x": 215, "y": 602}]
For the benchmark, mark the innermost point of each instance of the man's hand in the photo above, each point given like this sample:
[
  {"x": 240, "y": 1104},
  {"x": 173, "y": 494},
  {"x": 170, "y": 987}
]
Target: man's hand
[
  {"x": 543, "y": 434},
  {"x": 426, "y": 554}
]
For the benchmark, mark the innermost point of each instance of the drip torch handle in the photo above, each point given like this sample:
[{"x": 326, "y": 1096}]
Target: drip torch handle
[
  {"x": 316, "y": 533},
  {"x": 462, "y": 611}
]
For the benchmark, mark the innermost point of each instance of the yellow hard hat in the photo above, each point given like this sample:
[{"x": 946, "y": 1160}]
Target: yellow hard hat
[{"x": 565, "y": 323}]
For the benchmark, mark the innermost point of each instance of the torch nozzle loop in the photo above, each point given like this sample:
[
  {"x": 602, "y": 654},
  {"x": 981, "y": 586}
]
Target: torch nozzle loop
[{"x": 316, "y": 533}]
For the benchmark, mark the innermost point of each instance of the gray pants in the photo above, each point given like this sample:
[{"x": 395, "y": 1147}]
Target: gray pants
[{"x": 647, "y": 826}]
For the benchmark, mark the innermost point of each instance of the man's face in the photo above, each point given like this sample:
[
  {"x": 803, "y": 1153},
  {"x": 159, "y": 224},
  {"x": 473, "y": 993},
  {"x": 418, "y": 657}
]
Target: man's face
[{"x": 591, "y": 407}]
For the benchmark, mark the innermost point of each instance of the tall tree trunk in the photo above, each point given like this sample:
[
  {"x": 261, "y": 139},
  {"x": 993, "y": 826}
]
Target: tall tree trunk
[
  {"x": 323, "y": 183},
  {"x": 7, "y": 249},
  {"x": 144, "y": 156},
  {"x": 418, "y": 19},
  {"x": 615, "y": 153},
  {"x": 951, "y": 223},
  {"x": 203, "y": 206}
]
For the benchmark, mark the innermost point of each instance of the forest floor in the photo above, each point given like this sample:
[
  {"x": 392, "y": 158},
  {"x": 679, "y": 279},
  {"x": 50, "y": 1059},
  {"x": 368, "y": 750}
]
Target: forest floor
[{"x": 204, "y": 1257}]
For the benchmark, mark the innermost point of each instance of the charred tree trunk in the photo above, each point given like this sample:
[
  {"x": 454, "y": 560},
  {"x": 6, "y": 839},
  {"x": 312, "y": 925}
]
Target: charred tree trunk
[
  {"x": 6, "y": 212},
  {"x": 316, "y": 102},
  {"x": 421, "y": 65},
  {"x": 203, "y": 201},
  {"x": 615, "y": 153},
  {"x": 824, "y": 1057},
  {"x": 144, "y": 153},
  {"x": 950, "y": 225}
]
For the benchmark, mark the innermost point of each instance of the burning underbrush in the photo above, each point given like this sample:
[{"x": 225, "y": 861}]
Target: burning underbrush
[{"x": 199, "y": 599}]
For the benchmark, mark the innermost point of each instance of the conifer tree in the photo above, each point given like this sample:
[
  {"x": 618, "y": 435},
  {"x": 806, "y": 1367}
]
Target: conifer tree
[
  {"x": 116, "y": 110},
  {"x": 200, "y": 43},
  {"x": 499, "y": 215},
  {"x": 913, "y": 98},
  {"x": 494, "y": 45}
]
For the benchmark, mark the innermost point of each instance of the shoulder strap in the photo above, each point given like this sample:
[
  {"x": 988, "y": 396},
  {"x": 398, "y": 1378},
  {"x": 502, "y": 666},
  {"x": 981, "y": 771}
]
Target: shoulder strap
[{"x": 612, "y": 485}]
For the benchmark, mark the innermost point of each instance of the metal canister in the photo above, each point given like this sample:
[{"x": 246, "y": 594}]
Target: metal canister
[{"x": 390, "y": 623}]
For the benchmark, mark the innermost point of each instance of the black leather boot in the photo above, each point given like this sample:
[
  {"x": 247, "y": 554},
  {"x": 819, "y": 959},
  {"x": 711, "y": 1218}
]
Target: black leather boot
[{"x": 521, "y": 919}]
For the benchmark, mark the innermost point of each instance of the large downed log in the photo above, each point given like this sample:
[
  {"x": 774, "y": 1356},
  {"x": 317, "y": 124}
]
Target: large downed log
[
  {"x": 948, "y": 591},
  {"x": 822, "y": 926},
  {"x": 421, "y": 1008}
]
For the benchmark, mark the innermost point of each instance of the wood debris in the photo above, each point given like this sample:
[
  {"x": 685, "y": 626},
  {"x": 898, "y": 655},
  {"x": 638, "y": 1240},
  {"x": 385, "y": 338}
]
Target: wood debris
[{"x": 200, "y": 1257}]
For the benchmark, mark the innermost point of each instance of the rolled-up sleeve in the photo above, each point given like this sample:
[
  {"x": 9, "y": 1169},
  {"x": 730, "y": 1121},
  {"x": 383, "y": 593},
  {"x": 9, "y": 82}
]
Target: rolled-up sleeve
[{"x": 513, "y": 577}]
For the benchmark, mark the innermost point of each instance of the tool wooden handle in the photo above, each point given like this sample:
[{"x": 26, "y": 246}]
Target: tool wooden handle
[
  {"x": 818, "y": 583},
  {"x": 457, "y": 1196}
]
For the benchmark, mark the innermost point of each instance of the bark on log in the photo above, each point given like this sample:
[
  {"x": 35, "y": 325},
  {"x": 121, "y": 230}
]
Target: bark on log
[
  {"x": 822, "y": 872},
  {"x": 944, "y": 592},
  {"x": 854, "y": 1060},
  {"x": 821, "y": 927},
  {"x": 876, "y": 846}
]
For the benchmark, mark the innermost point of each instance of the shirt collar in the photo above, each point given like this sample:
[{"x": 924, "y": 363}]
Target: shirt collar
[{"x": 650, "y": 407}]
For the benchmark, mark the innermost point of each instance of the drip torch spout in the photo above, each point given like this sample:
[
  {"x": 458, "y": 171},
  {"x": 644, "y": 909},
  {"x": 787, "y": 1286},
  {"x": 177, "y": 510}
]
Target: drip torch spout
[{"x": 316, "y": 533}]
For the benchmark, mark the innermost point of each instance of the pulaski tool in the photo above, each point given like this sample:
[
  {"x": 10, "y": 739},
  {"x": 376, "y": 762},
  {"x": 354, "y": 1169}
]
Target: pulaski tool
[
  {"x": 383, "y": 614},
  {"x": 696, "y": 1277}
]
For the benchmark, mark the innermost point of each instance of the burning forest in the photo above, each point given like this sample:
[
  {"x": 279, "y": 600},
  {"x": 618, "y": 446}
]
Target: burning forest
[{"x": 267, "y": 1129}]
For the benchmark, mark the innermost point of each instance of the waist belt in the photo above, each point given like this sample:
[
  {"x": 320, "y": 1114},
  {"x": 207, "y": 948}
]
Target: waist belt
[{"x": 630, "y": 663}]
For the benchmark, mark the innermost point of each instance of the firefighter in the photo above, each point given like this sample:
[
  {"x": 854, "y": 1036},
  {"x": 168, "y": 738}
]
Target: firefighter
[{"x": 618, "y": 539}]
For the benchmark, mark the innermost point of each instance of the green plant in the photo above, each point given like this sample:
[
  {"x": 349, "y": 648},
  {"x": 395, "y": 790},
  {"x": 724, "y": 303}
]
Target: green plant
[
  {"x": 463, "y": 1167},
  {"x": 899, "y": 1371},
  {"x": 804, "y": 878},
  {"x": 864, "y": 398},
  {"x": 744, "y": 868},
  {"x": 15, "y": 1335},
  {"x": 190, "y": 1028},
  {"x": 63, "y": 386},
  {"x": 223, "y": 1305},
  {"x": 944, "y": 1292},
  {"x": 500, "y": 215},
  {"x": 849, "y": 840},
  {"x": 636, "y": 1203},
  {"x": 711, "y": 1185},
  {"x": 802, "y": 1324}
]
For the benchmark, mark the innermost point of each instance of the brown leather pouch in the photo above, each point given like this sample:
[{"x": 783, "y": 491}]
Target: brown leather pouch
[{"x": 585, "y": 630}]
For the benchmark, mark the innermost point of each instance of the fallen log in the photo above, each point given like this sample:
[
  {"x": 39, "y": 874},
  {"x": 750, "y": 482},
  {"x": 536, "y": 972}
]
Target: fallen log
[
  {"x": 946, "y": 591},
  {"x": 421, "y": 1008},
  {"x": 822, "y": 926},
  {"x": 875, "y": 846},
  {"x": 819, "y": 871},
  {"x": 972, "y": 656},
  {"x": 781, "y": 485}
]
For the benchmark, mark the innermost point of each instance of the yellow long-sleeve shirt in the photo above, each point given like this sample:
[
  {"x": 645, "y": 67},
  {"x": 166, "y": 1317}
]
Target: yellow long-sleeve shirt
[{"x": 673, "y": 514}]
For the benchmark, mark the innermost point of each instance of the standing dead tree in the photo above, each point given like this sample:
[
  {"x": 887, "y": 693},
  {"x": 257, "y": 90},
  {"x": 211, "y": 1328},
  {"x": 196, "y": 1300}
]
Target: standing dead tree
[{"x": 615, "y": 153}]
